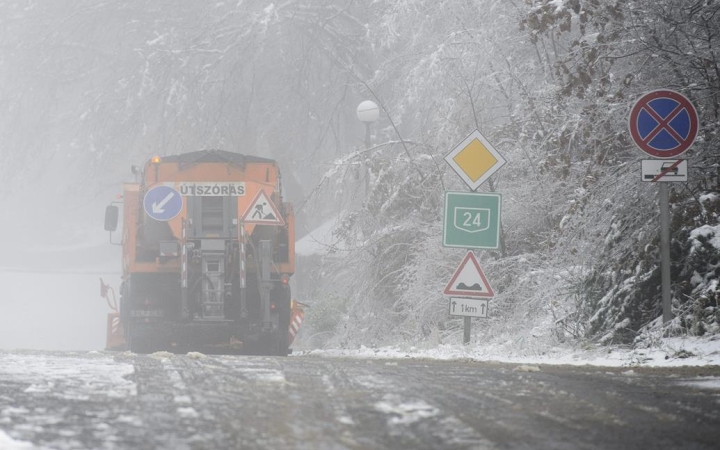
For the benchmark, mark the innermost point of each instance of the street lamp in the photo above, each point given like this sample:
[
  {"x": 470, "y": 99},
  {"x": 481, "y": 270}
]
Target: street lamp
[{"x": 368, "y": 112}]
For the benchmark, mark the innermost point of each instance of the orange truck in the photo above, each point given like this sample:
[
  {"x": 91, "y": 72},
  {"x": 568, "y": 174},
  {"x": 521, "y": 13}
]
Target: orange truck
[{"x": 208, "y": 249}]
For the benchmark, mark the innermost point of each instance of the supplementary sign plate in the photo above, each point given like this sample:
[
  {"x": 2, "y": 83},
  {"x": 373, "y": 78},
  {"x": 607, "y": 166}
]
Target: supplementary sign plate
[
  {"x": 475, "y": 160},
  {"x": 663, "y": 123},
  {"x": 659, "y": 170},
  {"x": 162, "y": 203},
  {"x": 212, "y": 189},
  {"x": 468, "y": 307},
  {"x": 472, "y": 220},
  {"x": 262, "y": 211},
  {"x": 469, "y": 280}
]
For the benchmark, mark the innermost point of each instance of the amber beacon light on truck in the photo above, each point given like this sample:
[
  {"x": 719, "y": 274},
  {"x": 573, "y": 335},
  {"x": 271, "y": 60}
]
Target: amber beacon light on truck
[{"x": 208, "y": 249}]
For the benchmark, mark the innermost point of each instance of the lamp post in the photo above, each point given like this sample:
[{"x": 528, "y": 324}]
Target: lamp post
[{"x": 368, "y": 112}]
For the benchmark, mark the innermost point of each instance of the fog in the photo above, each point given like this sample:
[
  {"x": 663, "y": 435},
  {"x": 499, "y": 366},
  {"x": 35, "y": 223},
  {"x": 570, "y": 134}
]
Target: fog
[
  {"x": 89, "y": 88},
  {"x": 53, "y": 311},
  {"x": 55, "y": 251}
]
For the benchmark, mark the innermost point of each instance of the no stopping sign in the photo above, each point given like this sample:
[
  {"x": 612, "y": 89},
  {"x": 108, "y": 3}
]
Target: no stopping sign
[{"x": 663, "y": 123}]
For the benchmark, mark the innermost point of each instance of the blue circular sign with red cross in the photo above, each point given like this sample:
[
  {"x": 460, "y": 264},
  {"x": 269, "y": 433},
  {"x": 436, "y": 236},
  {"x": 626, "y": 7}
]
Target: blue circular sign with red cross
[{"x": 663, "y": 123}]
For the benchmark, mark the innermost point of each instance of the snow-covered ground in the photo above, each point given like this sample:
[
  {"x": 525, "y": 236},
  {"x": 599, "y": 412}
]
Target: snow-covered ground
[
  {"x": 8, "y": 443},
  {"x": 667, "y": 352},
  {"x": 59, "y": 387},
  {"x": 104, "y": 400},
  {"x": 63, "y": 379}
]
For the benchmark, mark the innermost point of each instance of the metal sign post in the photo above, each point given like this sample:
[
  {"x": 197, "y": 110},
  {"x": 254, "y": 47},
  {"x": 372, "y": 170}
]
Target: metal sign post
[
  {"x": 665, "y": 251},
  {"x": 664, "y": 124},
  {"x": 467, "y": 324}
]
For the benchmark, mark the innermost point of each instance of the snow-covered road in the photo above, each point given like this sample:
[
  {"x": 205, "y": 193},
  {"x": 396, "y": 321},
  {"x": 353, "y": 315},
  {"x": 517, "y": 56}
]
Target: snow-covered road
[{"x": 95, "y": 400}]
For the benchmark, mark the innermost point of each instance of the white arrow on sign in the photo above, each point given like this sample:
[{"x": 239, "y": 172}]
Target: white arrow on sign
[{"x": 158, "y": 207}]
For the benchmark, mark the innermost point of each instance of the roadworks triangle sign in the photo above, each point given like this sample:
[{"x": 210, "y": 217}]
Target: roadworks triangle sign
[
  {"x": 262, "y": 211},
  {"x": 469, "y": 280}
]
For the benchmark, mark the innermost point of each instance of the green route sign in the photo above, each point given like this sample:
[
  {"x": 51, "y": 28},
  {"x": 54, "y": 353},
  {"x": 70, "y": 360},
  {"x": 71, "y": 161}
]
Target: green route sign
[{"x": 472, "y": 220}]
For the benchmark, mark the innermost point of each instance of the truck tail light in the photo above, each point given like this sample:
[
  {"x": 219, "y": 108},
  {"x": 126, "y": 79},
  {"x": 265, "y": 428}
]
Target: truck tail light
[{"x": 284, "y": 279}]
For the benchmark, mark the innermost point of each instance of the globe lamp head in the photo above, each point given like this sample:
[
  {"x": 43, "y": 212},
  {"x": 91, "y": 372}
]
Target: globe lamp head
[{"x": 368, "y": 111}]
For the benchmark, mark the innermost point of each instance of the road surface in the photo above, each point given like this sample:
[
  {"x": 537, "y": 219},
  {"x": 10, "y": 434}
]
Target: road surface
[{"x": 65, "y": 400}]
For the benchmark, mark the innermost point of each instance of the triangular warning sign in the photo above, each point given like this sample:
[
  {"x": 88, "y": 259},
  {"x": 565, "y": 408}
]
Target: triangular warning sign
[
  {"x": 262, "y": 211},
  {"x": 469, "y": 280}
]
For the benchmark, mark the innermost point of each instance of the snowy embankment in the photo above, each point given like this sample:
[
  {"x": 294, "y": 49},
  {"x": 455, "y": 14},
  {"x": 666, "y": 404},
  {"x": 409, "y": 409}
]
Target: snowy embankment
[{"x": 668, "y": 352}]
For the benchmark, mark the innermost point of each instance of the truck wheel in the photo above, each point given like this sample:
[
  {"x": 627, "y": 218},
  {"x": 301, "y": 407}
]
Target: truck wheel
[
  {"x": 138, "y": 346},
  {"x": 283, "y": 322}
]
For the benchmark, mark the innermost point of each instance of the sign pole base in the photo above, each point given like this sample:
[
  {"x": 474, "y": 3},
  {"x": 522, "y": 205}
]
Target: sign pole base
[{"x": 466, "y": 331}]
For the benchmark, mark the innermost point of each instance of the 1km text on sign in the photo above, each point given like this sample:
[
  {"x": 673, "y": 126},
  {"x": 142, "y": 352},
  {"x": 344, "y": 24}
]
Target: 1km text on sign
[{"x": 469, "y": 307}]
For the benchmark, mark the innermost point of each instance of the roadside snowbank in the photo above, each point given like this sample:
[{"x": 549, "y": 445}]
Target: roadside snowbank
[{"x": 668, "y": 352}]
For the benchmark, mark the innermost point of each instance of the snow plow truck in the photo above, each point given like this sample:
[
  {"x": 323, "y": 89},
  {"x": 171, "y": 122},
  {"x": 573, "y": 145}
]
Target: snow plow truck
[{"x": 208, "y": 249}]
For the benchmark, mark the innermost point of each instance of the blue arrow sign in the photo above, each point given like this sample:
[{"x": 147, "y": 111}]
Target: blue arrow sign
[{"x": 162, "y": 203}]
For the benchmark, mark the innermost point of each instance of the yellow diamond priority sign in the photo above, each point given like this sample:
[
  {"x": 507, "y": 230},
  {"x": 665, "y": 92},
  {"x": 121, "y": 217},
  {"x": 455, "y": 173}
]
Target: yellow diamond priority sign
[{"x": 475, "y": 160}]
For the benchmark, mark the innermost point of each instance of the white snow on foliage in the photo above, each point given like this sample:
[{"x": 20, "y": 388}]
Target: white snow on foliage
[
  {"x": 707, "y": 232},
  {"x": 558, "y": 4}
]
